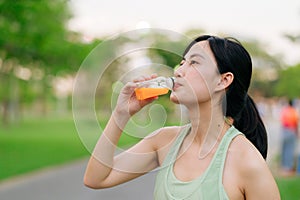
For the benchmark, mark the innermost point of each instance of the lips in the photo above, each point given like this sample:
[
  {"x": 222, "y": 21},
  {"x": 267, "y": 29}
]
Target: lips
[{"x": 176, "y": 85}]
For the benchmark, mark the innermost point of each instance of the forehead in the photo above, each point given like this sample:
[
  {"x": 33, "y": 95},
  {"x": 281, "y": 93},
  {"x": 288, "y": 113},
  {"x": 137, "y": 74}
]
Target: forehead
[
  {"x": 202, "y": 44},
  {"x": 203, "y": 49}
]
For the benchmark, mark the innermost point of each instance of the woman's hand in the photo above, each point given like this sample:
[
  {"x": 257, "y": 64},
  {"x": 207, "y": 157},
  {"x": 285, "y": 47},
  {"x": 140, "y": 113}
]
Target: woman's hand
[{"x": 128, "y": 104}]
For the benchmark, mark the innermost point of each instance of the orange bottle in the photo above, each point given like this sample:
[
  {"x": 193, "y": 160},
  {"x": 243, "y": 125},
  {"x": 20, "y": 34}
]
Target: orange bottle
[{"x": 154, "y": 87}]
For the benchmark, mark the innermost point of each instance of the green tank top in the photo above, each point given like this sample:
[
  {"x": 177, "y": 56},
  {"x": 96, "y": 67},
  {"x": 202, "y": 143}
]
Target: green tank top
[{"x": 208, "y": 186}]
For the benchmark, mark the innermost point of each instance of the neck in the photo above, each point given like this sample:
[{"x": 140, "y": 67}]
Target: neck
[{"x": 208, "y": 123}]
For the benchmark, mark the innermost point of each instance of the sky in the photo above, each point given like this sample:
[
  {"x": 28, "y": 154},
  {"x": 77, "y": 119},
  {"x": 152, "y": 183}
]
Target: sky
[{"x": 264, "y": 20}]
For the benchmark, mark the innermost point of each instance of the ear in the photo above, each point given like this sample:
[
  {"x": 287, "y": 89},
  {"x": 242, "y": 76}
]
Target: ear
[{"x": 225, "y": 80}]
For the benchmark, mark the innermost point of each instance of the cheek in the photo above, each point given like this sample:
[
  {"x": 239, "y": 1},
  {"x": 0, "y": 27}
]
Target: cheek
[
  {"x": 202, "y": 86},
  {"x": 202, "y": 92},
  {"x": 199, "y": 83}
]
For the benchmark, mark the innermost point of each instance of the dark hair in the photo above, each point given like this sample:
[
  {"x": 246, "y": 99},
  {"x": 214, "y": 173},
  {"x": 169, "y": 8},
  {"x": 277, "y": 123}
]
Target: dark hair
[{"x": 232, "y": 57}]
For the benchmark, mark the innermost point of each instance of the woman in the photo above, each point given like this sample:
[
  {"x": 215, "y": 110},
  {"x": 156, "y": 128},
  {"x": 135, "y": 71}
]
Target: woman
[{"x": 208, "y": 158}]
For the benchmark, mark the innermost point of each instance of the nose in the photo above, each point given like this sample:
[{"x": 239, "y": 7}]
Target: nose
[{"x": 179, "y": 72}]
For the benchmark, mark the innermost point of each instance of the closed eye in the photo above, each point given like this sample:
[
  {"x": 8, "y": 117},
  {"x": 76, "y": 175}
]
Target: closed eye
[{"x": 193, "y": 62}]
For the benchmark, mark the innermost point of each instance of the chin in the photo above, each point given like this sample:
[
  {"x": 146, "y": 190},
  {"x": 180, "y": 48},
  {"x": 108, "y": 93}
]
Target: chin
[
  {"x": 188, "y": 100},
  {"x": 173, "y": 98}
]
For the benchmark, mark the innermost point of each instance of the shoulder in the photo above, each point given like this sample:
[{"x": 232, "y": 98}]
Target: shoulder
[
  {"x": 245, "y": 155},
  {"x": 252, "y": 171},
  {"x": 166, "y": 135},
  {"x": 164, "y": 138}
]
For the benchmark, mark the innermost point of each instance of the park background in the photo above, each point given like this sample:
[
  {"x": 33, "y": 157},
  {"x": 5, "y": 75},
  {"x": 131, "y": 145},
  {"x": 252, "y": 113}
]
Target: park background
[{"x": 44, "y": 43}]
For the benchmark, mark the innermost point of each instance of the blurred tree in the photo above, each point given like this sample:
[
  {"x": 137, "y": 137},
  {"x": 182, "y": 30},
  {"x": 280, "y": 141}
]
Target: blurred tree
[
  {"x": 293, "y": 38},
  {"x": 288, "y": 83},
  {"x": 36, "y": 31},
  {"x": 33, "y": 38},
  {"x": 168, "y": 50},
  {"x": 32, "y": 28},
  {"x": 265, "y": 68}
]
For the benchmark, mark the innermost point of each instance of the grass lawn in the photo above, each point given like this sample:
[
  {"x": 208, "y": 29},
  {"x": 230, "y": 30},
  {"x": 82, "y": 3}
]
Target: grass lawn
[
  {"x": 34, "y": 144},
  {"x": 289, "y": 188}
]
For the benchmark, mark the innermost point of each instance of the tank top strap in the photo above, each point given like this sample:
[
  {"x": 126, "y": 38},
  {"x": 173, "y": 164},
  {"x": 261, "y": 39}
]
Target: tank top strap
[
  {"x": 217, "y": 165},
  {"x": 172, "y": 154}
]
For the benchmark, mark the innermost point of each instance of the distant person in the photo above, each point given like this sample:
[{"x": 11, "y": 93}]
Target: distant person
[
  {"x": 289, "y": 123},
  {"x": 218, "y": 155}
]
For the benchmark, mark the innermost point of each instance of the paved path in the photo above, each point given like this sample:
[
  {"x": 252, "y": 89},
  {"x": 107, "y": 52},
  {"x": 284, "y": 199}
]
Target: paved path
[{"x": 65, "y": 182}]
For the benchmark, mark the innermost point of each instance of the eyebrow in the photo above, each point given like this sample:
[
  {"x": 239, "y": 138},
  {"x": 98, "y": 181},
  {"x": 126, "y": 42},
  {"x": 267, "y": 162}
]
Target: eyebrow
[{"x": 197, "y": 55}]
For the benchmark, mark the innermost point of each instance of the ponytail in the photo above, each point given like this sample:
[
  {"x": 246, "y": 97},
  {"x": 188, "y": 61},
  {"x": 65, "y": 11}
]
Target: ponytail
[{"x": 250, "y": 123}]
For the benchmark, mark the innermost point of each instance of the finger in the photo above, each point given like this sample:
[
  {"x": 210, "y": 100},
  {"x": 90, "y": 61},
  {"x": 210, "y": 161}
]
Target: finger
[
  {"x": 148, "y": 77},
  {"x": 154, "y": 75},
  {"x": 139, "y": 79}
]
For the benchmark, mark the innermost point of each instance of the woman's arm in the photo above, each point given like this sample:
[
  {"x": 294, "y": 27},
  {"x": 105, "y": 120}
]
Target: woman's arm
[{"x": 106, "y": 170}]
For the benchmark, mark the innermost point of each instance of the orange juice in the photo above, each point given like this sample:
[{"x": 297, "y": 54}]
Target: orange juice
[{"x": 145, "y": 93}]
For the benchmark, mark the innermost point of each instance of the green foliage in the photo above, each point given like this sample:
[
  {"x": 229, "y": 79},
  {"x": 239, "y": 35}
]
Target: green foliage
[
  {"x": 32, "y": 28},
  {"x": 170, "y": 59},
  {"x": 265, "y": 68},
  {"x": 260, "y": 57},
  {"x": 289, "y": 82},
  {"x": 36, "y": 31},
  {"x": 262, "y": 86},
  {"x": 34, "y": 37},
  {"x": 169, "y": 51}
]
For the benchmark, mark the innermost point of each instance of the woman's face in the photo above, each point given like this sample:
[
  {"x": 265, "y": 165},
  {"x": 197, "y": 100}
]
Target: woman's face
[{"x": 197, "y": 77}]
